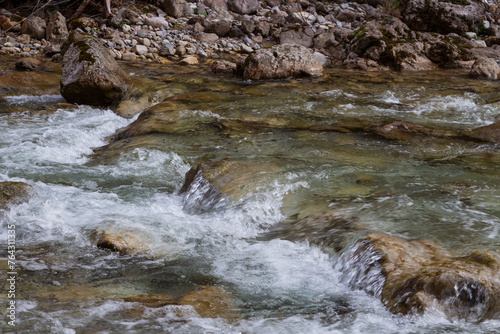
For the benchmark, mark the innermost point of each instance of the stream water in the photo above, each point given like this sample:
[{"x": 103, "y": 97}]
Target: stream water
[{"x": 441, "y": 190}]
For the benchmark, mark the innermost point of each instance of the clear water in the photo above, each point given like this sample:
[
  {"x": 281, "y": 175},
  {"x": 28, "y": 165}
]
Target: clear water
[{"x": 447, "y": 191}]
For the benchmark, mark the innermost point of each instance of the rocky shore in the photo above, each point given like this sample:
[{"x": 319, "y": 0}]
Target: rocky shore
[{"x": 372, "y": 36}]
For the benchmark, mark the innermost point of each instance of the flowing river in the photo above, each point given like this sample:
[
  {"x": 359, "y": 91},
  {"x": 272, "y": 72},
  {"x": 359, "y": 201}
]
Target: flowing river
[{"x": 443, "y": 190}]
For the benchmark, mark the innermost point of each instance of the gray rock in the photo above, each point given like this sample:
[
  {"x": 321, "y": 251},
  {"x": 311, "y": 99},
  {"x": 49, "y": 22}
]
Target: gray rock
[
  {"x": 57, "y": 32},
  {"x": 157, "y": 22}
]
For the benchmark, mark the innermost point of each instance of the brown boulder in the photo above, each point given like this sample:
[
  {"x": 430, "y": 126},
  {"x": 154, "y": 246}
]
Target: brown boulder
[{"x": 90, "y": 74}]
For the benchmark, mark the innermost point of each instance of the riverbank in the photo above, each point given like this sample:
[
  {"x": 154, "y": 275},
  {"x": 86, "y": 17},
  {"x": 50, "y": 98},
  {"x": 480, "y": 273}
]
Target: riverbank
[{"x": 372, "y": 37}]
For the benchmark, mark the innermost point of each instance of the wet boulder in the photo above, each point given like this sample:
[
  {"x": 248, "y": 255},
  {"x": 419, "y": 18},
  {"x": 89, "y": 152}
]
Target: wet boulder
[
  {"x": 214, "y": 183},
  {"x": 35, "y": 27},
  {"x": 125, "y": 238},
  {"x": 444, "y": 17},
  {"x": 127, "y": 241},
  {"x": 90, "y": 74},
  {"x": 57, "y": 32},
  {"x": 279, "y": 62},
  {"x": 410, "y": 276},
  {"x": 12, "y": 193}
]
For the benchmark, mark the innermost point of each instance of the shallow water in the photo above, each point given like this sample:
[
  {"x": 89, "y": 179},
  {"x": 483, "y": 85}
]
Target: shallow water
[{"x": 444, "y": 190}]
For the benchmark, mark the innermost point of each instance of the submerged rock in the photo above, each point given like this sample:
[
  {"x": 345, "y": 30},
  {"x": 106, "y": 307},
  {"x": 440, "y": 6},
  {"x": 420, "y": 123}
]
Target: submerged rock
[
  {"x": 210, "y": 302},
  {"x": 13, "y": 192},
  {"x": 281, "y": 62},
  {"x": 90, "y": 74},
  {"x": 412, "y": 275}
]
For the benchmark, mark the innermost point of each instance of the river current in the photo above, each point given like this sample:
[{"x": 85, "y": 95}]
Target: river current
[{"x": 442, "y": 190}]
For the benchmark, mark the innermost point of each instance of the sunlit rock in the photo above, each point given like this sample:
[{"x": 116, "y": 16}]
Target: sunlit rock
[
  {"x": 90, "y": 74},
  {"x": 283, "y": 61},
  {"x": 410, "y": 276}
]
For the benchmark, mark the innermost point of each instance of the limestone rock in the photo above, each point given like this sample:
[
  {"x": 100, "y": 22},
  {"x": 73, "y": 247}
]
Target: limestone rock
[
  {"x": 90, "y": 74},
  {"x": 35, "y": 27},
  {"x": 485, "y": 68},
  {"x": 281, "y": 61},
  {"x": 57, "y": 32}
]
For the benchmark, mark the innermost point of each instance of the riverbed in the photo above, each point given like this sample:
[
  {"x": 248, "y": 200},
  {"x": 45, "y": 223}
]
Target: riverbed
[{"x": 294, "y": 164}]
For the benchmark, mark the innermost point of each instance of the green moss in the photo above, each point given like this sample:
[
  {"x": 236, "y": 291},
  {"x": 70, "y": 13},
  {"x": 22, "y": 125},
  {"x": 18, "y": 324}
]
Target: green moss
[{"x": 85, "y": 55}]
